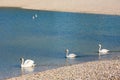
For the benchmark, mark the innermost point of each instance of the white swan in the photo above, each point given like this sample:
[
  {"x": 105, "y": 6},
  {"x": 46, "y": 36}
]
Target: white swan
[
  {"x": 36, "y": 15},
  {"x": 72, "y": 55},
  {"x": 27, "y": 63},
  {"x": 33, "y": 17},
  {"x": 102, "y": 51}
]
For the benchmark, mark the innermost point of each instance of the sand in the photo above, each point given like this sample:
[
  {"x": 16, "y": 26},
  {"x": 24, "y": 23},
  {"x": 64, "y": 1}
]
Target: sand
[
  {"x": 96, "y": 70},
  {"x": 83, "y": 6}
]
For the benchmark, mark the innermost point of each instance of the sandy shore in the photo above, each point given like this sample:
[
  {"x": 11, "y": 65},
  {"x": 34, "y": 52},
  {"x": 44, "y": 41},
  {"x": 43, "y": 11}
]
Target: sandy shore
[
  {"x": 97, "y": 70},
  {"x": 83, "y": 6}
]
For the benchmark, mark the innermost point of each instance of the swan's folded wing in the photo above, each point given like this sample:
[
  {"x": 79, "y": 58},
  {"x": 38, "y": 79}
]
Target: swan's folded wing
[
  {"x": 104, "y": 50},
  {"x": 30, "y": 62}
]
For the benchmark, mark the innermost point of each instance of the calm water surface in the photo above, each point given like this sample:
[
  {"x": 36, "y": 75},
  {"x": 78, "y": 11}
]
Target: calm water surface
[{"x": 44, "y": 38}]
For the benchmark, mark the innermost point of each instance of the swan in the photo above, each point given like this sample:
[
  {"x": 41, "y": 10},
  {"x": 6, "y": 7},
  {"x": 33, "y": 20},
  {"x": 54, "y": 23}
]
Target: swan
[
  {"x": 27, "y": 63},
  {"x": 102, "y": 51},
  {"x": 33, "y": 17},
  {"x": 36, "y": 15},
  {"x": 72, "y": 55}
]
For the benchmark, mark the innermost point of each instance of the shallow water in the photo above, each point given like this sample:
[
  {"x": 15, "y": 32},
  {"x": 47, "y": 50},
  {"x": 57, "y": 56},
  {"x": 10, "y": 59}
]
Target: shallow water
[{"x": 45, "y": 38}]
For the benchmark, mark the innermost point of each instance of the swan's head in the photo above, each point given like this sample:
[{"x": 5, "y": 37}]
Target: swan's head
[
  {"x": 99, "y": 44},
  {"x": 67, "y": 51},
  {"x": 21, "y": 59}
]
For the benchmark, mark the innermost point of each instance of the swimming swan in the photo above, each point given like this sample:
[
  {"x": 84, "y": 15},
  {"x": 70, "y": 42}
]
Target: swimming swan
[
  {"x": 35, "y": 16},
  {"x": 27, "y": 63},
  {"x": 102, "y": 51},
  {"x": 72, "y": 55}
]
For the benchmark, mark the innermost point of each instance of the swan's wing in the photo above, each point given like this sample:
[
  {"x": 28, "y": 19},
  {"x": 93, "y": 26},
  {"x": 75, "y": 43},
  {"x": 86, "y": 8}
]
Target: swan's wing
[
  {"x": 29, "y": 62},
  {"x": 105, "y": 50},
  {"x": 72, "y": 55}
]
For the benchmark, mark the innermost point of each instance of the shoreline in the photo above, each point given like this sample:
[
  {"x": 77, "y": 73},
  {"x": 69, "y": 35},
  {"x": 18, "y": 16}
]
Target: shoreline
[
  {"x": 110, "y": 7},
  {"x": 96, "y": 70},
  {"x": 97, "y": 13}
]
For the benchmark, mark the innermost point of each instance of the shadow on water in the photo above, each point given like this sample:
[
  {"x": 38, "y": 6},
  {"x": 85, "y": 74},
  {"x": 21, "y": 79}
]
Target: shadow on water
[
  {"x": 111, "y": 55},
  {"x": 81, "y": 59},
  {"x": 113, "y": 51}
]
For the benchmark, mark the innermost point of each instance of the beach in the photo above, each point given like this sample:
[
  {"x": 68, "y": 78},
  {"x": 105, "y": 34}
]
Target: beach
[
  {"x": 111, "y": 7},
  {"x": 96, "y": 70}
]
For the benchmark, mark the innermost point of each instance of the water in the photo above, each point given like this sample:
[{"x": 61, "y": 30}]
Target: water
[{"x": 45, "y": 38}]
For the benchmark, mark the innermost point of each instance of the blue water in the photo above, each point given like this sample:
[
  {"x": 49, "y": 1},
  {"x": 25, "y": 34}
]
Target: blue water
[{"x": 45, "y": 38}]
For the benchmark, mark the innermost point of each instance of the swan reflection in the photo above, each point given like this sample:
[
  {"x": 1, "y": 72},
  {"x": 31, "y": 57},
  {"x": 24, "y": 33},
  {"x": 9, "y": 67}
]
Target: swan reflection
[{"x": 25, "y": 70}]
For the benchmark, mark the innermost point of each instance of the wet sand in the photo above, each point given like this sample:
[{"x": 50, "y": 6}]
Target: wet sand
[
  {"x": 83, "y": 6},
  {"x": 97, "y": 70}
]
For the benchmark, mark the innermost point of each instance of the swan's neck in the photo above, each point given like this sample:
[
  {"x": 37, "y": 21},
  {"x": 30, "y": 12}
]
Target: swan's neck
[
  {"x": 67, "y": 54},
  {"x": 99, "y": 47},
  {"x": 22, "y": 61}
]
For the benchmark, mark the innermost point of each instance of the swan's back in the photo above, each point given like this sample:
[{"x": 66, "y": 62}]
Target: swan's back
[
  {"x": 28, "y": 63},
  {"x": 72, "y": 55},
  {"x": 104, "y": 51}
]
